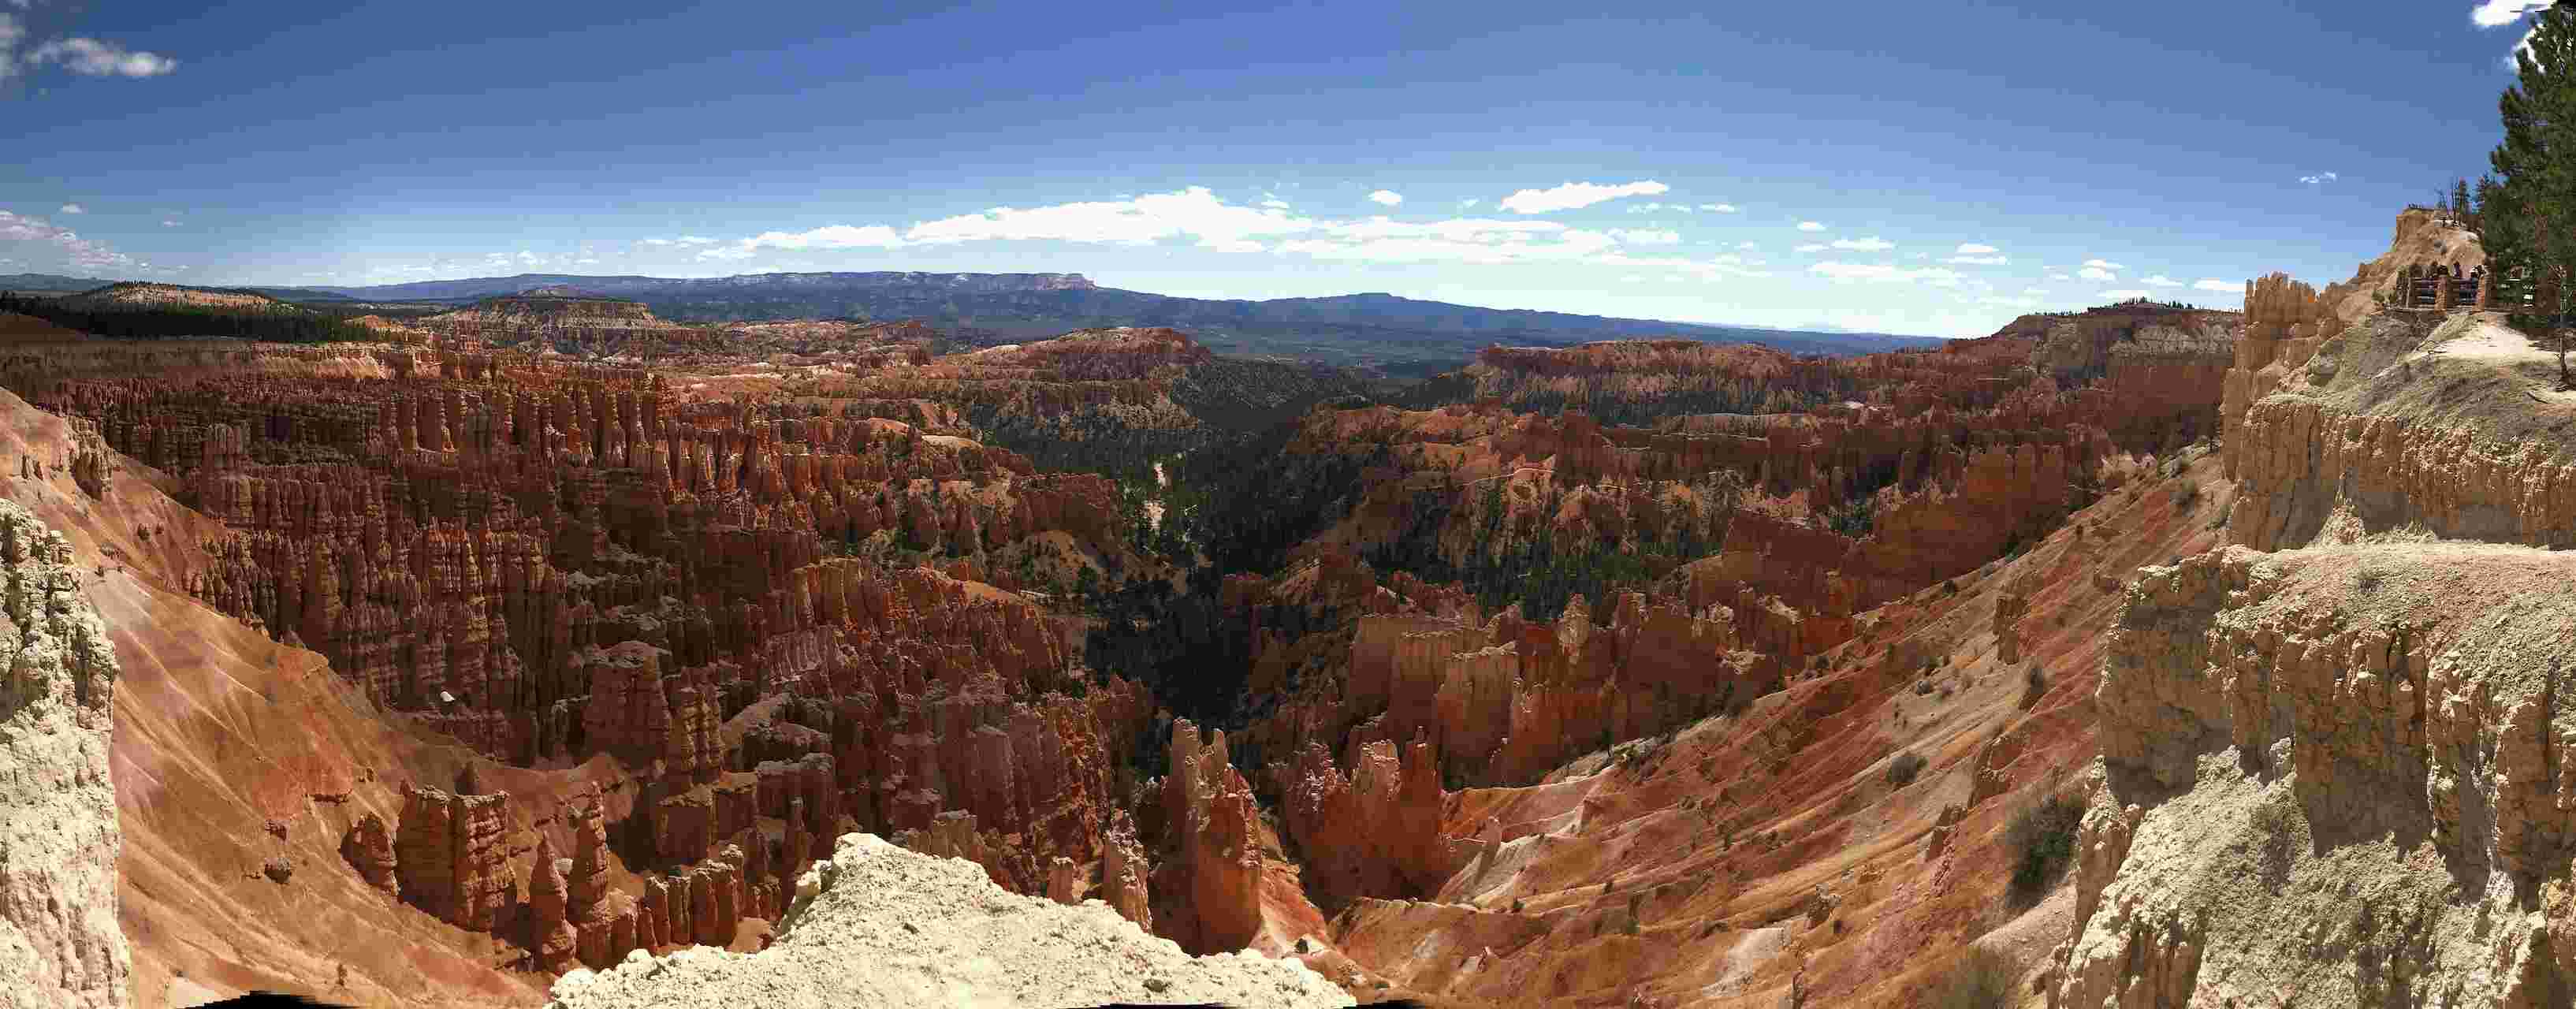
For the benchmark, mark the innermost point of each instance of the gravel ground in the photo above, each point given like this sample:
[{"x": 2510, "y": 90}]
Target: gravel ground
[{"x": 879, "y": 925}]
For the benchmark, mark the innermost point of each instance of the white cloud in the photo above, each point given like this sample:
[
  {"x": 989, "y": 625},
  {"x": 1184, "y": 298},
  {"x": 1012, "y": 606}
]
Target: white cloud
[
  {"x": 2221, "y": 286},
  {"x": 2036, "y": 292},
  {"x": 1810, "y": 226},
  {"x": 74, "y": 208},
  {"x": 169, "y": 223},
  {"x": 2122, "y": 295},
  {"x": 1386, "y": 198},
  {"x": 1638, "y": 236},
  {"x": 1871, "y": 244},
  {"x": 2319, "y": 179},
  {"x": 1883, "y": 273},
  {"x": 2058, "y": 275},
  {"x": 1198, "y": 215},
  {"x": 1813, "y": 247},
  {"x": 2097, "y": 273},
  {"x": 682, "y": 240},
  {"x": 75, "y": 250},
  {"x": 1977, "y": 260},
  {"x": 2104, "y": 264},
  {"x": 1571, "y": 195},
  {"x": 2160, "y": 280},
  {"x": 1275, "y": 203},
  {"x": 1465, "y": 204},
  {"x": 1718, "y": 208},
  {"x": 833, "y": 236},
  {"x": 1975, "y": 249},
  {"x": 1747, "y": 246},
  {"x": 2498, "y": 13},
  {"x": 94, "y": 58}
]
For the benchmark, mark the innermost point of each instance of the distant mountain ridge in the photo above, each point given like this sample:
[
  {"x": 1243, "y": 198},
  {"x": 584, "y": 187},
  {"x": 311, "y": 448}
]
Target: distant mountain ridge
[{"x": 1397, "y": 335}]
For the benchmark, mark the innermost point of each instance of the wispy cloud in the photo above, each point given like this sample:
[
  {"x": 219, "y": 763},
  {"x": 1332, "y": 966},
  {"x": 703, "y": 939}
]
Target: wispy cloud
[
  {"x": 2220, "y": 286},
  {"x": 2104, "y": 264},
  {"x": 38, "y": 233},
  {"x": 1573, "y": 195},
  {"x": 1386, "y": 197},
  {"x": 1718, "y": 208},
  {"x": 100, "y": 59},
  {"x": 2160, "y": 280},
  {"x": 2319, "y": 179},
  {"x": 74, "y": 208},
  {"x": 1813, "y": 247},
  {"x": 1465, "y": 204},
  {"x": 2498, "y": 13},
  {"x": 1811, "y": 226},
  {"x": 682, "y": 240},
  {"x": 1871, "y": 244},
  {"x": 1644, "y": 236},
  {"x": 1976, "y": 249},
  {"x": 2097, "y": 273},
  {"x": 1883, "y": 273},
  {"x": 169, "y": 222},
  {"x": 1198, "y": 215},
  {"x": 24, "y": 48}
]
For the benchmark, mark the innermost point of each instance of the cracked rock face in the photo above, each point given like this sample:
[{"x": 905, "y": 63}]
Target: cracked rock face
[
  {"x": 59, "y": 941},
  {"x": 2335, "y": 772}
]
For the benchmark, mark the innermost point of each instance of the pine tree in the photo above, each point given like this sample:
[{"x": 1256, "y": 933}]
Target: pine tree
[{"x": 2536, "y": 165}]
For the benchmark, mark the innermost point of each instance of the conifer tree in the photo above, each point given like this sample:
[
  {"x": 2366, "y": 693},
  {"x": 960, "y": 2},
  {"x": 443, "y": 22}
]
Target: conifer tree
[{"x": 2536, "y": 171}]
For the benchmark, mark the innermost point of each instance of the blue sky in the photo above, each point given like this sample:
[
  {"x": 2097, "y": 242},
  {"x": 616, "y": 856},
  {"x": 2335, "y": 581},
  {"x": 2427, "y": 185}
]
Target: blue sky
[{"x": 1932, "y": 168}]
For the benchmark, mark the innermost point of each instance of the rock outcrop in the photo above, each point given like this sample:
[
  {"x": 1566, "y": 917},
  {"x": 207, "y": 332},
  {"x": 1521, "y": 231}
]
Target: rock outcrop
[
  {"x": 553, "y": 940},
  {"x": 937, "y": 931},
  {"x": 1209, "y": 881},
  {"x": 2279, "y": 729},
  {"x": 450, "y": 857},
  {"x": 60, "y": 944},
  {"x": 2329, "y": 761}
]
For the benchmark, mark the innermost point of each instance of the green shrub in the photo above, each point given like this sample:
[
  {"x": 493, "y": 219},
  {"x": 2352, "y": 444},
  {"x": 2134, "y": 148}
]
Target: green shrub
[
  {"x": 1905, "y": 768},
  {"x": 1973, "y": 977},
  {"x": 2042, "y": 834}
]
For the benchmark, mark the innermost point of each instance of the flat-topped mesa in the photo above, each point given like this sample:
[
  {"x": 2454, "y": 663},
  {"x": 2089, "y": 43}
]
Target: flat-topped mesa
[{"x": 561, "y": 320}]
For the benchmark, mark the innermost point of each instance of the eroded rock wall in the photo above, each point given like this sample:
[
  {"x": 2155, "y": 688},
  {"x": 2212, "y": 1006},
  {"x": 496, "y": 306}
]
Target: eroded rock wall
[{"x": 60, "y": 943}]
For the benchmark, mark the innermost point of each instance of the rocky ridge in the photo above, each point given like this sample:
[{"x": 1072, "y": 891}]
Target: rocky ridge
[
  {"x": 2343, "y": 720},
  {"x": 936, "y": 932},
  {"x": 60, "y": 942}
]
